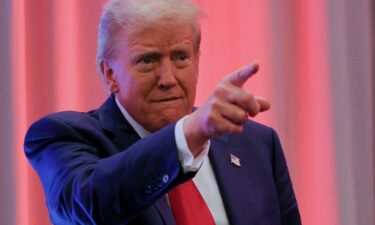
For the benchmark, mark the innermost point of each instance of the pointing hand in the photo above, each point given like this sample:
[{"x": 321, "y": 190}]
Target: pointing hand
[{"x": 226, "y": 110}]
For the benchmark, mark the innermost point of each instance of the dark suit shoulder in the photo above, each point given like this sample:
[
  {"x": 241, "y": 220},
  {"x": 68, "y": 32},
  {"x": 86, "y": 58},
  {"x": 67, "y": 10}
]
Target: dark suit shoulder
[
  {"x": 72, "y": 119},
  {"x": 253, "y": 132},
  {"x": 252, "y": 125},
  {"x": 68, "y": 126},
  {"x": 69, "y": 117}
]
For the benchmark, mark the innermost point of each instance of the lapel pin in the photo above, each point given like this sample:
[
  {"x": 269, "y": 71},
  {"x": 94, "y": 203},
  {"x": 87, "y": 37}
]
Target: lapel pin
[{"x": 235, "y": 160}]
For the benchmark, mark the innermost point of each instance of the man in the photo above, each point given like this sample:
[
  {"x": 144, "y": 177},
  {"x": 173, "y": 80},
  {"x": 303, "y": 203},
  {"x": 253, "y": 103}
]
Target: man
[{"x": 131, "y": 160}]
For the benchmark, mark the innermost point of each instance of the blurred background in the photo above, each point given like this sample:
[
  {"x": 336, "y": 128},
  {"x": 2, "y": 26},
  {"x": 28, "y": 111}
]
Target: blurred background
[{"x": 317, "y": 68}]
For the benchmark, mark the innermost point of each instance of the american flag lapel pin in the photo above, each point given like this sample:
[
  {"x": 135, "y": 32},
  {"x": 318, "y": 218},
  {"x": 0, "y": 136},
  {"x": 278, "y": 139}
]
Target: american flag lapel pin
[{"x": 235, "y": 160}]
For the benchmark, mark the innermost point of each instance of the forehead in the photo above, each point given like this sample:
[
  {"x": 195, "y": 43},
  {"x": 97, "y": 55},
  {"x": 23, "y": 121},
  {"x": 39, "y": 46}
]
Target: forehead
[
  {"x": 165, "y": 33},
  {"x": 162, "y": 34}
]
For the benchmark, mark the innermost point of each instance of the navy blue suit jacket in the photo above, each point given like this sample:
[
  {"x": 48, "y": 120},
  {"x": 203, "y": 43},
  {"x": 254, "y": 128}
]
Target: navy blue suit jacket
[{"x": 96, "y": 170}]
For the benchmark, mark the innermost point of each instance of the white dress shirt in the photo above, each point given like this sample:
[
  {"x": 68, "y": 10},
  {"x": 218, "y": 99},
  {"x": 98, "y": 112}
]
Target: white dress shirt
[{"x": 204, "y": 179}]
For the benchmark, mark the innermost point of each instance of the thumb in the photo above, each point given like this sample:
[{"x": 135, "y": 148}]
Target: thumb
[
  {"x": 239, "y": 77},
  {"x": 263, "y": 103}
]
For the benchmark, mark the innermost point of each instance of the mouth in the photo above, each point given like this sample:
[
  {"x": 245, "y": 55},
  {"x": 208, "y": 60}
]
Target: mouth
[{"x": 167, "y": 99}]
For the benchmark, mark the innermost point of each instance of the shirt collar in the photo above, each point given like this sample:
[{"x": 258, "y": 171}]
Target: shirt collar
[{"x": 142, "y": 132}]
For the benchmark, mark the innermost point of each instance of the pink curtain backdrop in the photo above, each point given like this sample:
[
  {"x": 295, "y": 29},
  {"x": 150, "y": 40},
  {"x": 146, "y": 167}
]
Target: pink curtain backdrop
[{"x": 317, "y": 68}]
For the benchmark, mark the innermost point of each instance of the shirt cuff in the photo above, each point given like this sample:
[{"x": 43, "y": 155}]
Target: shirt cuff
[{"x": 189, "y": 163}]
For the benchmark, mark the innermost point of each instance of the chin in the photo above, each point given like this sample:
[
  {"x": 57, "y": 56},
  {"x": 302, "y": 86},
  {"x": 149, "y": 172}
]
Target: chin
[
  {"x": 164, "y": 119},
  {"x": 164, "y": 114}
]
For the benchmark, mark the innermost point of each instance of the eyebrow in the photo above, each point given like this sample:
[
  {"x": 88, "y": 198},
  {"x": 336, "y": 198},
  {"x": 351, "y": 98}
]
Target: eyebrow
[
  {"x": 139, "y": 56},
  {"x": 141, "y": 50},
  {"x": 148, "y": 54},
  {"x": 186, "y": 46}
]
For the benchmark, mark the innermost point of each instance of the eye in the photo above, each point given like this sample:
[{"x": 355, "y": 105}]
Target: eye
[
  {"x": 182, "y": 57},
  {"x": 146, "y": 60}
]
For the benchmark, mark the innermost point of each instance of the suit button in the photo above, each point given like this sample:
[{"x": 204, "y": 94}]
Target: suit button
[
  {"x": 165, "y": 178},
  {"x": 148, "y": 189},
  {"x": 160, "y": 182}
]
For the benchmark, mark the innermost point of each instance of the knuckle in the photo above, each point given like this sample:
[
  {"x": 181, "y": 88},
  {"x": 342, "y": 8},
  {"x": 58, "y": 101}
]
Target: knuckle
[
  {"x": 249, "y": 97},
  {"x": 239, "y": 129},
  {"x": 215, "y": 104},
  {"x": 243, "y": 117},
  {"x": 220, "y": 89},
  {"x": 236, "y": 129}
]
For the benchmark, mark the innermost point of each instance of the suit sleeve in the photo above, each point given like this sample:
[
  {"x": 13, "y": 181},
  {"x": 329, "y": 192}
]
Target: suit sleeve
[
  {"x": 288, "y": 205},
  {"x": 83, "y": 186}
]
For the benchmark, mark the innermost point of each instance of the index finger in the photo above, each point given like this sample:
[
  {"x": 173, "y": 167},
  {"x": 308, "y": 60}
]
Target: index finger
[{"x": 239, "y": 77}]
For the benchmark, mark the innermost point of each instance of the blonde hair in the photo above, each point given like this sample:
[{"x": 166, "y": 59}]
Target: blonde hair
[{"x": 123, "y": 17}]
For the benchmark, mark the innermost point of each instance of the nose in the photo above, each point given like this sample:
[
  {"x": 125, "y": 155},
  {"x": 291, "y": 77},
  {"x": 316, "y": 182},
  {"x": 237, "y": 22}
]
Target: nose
[{"x": 166, "y": 75}]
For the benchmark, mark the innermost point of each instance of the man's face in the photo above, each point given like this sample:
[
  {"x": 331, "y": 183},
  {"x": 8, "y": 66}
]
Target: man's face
[{"x": 156, "y": 74}]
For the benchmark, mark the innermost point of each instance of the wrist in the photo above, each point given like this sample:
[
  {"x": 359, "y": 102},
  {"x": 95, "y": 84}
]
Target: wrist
[{"x": 195, "y": 137}]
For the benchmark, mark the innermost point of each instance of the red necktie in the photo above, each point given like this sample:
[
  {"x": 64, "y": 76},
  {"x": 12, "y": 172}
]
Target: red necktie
[{"x": 188, "y": 205}]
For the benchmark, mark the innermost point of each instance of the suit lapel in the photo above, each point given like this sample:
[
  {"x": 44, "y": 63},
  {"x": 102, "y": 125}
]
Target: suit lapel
[
  {"x": 111, "y": 117},
  {"x": 115, "y": 125},
  {"x": 165, "y": 211},
  {"x": 123, "y": 135},
  {"x": 232, "y": 179}
]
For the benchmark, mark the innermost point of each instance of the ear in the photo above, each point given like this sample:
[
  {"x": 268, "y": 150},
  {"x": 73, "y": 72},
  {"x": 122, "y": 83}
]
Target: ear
[{"x": 109, "y": 77}]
